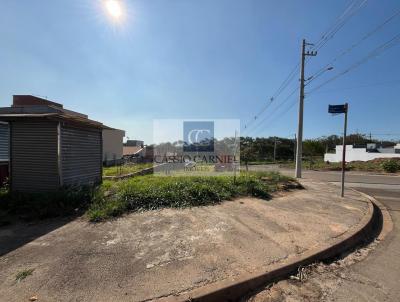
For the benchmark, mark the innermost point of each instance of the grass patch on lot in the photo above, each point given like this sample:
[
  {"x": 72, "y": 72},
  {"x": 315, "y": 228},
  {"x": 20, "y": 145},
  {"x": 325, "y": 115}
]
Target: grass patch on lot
[
  {"x": 125, "y": 169},
  {"x": 23, "y": 274},
  {"x": 115, "y": 198}
]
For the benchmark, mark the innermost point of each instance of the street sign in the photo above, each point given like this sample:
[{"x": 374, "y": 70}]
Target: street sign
[{"x": 335, "y": 109}]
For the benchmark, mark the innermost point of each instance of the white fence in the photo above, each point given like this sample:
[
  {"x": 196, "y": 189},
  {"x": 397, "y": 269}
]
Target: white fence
[{"x": 356, "y": 154}]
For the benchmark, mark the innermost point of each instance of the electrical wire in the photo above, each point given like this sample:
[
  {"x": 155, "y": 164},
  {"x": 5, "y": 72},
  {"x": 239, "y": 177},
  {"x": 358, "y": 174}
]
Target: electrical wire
[
  {"x": 351, "y": 10},
  {"x": 281, "y": 88},
  {"x": 282, "y": 113},
  {"x": 394, "y": 83},
  {"x": 354, "y": 45},
  {"x": 275, "y": 109},
  {"x": 392, "y": 42}
]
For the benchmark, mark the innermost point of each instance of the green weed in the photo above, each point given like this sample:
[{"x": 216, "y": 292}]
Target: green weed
[
  {"x": 152, "y": 192},
  {"x": 23, "y": 274}
]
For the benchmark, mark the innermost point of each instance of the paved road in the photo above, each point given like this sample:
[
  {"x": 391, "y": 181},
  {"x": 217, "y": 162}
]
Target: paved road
[
  {"x": 376, "y": 278},
  {"x": 352, "y": 177}
]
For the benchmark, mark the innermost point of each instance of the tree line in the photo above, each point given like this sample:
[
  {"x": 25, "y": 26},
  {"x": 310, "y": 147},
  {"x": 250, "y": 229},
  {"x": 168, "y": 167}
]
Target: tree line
[
  {"x": 283, "y": 149},
  {"x": 276, "y": 148}
]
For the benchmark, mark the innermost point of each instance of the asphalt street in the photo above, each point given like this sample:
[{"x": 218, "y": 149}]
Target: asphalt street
[
  {"x": 376, "y": 278},
  {"x": 382, "y": 267}
]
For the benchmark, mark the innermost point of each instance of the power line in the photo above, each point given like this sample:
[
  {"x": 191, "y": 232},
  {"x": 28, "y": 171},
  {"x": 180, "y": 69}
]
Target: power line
[
  {"x": 351, "y": 10},
  {"x": 354, "y": 45},
  {"x": 282, "y": 113},
  {"x": 248, "y": 124},
  {"x": 274, "y": 110},
  {"x": 286, "y": 82},
  {"x": 395, "y": 83},
  {"x": 281, "y": 88},
  {"x": 317, "y": 75},
  {"x": 392, "y": 42}
]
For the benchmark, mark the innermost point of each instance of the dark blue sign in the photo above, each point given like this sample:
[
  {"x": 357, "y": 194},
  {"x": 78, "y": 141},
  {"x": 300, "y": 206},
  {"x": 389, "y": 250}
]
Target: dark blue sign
[
  {"x": 198, "y": 136},
  {"x": 337, "y": 109}
]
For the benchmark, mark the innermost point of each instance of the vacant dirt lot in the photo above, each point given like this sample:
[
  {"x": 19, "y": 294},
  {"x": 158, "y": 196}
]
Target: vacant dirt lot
[{"x": 158, "y": 253}]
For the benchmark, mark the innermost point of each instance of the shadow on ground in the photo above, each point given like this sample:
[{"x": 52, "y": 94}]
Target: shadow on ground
[{"x": 19, "y": 233}]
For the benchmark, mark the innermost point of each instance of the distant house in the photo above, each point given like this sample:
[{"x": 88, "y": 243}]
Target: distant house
[
  {"x": 143, "y": 154},
  {"x": 51, "y": 146},
  {"x": 132, "y": 151},
  {"x": 148, "y": 153},
  {"x": 134, "y": 143},
  {"x": 370, "y": 152},
  {"x": 112, "y": 146}
]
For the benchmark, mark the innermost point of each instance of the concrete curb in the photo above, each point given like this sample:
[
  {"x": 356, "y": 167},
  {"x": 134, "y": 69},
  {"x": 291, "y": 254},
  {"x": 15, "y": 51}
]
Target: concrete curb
[
  {"x": 387, "y": 222},
  {"x": 235, "y": 288}
]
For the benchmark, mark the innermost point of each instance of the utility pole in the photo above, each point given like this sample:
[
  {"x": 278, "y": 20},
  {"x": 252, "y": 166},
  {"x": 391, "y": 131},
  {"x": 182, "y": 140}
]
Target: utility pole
[
  {"x": 275, "y": 142},
  {"x": 299, "y": 149},
  {"x": 294, "y": 148}
]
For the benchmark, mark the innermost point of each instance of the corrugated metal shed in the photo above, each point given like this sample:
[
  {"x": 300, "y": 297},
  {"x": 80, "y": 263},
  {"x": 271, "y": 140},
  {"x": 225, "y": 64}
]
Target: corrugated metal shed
[
  {"x": 34, "y": 156},
  {"x": 81, "y": 155},
  {"x": 51, "y": 146},
  {"x": 4, "y": 142}
]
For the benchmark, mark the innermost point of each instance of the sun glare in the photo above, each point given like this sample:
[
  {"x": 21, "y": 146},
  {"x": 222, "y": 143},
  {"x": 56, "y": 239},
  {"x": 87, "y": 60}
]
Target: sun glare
[{"x": 114, "y": 8}]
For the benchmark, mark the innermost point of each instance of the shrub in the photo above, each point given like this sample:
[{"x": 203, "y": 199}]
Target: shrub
[
  {"x": 152, "y": 192},
  {"x": 31, "y": 206},
  {"x": 391, "y": 166},
  {"x": 114, "y": 198}
]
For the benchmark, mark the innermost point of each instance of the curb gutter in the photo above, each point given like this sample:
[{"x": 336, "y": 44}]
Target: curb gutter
[
  {"x": 387, "y": 223},
  {"x": 235, "y": 288}
]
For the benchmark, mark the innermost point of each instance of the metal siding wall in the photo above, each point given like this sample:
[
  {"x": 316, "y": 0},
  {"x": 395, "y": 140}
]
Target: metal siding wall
[
  {"x": 81, "y": 155},
  {"x": 34, "y": 166},
  {"x": 4, "y": 142}
]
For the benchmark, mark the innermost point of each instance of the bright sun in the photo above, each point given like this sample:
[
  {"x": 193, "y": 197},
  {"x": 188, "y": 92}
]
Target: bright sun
[{"x": 114, "y": 8}]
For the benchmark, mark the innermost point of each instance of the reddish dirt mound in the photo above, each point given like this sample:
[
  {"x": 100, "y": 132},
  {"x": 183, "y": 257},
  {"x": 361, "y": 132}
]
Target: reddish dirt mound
[{"x": 381, "y": 160}]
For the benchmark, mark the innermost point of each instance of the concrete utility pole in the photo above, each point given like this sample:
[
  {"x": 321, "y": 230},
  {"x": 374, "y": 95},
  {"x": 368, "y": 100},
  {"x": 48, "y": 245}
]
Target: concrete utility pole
[
  {"x": 275, "y": 142},
  {"x": 299, "y": 148}
]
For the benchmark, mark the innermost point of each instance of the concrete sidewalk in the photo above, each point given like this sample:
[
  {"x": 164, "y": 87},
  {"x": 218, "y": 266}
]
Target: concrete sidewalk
[
  {"x": 370, "y": 273},
  {"x": 160, "y": 253}
]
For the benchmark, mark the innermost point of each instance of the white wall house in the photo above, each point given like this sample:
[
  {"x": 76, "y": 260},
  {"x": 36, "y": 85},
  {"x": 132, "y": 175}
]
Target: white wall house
[
  {"x": 361, "y": 154},
  {"x": 112, "y": 145}
]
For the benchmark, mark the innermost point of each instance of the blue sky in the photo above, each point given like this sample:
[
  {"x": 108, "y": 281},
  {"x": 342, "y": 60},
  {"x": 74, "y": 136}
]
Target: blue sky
[{"x": 188, "y": 59}]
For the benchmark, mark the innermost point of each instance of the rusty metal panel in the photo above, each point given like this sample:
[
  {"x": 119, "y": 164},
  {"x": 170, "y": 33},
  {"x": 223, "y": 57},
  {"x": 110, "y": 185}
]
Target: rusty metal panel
[
  {"x": 81, "y": 155},
  {"x": 34, "y": 166}
]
